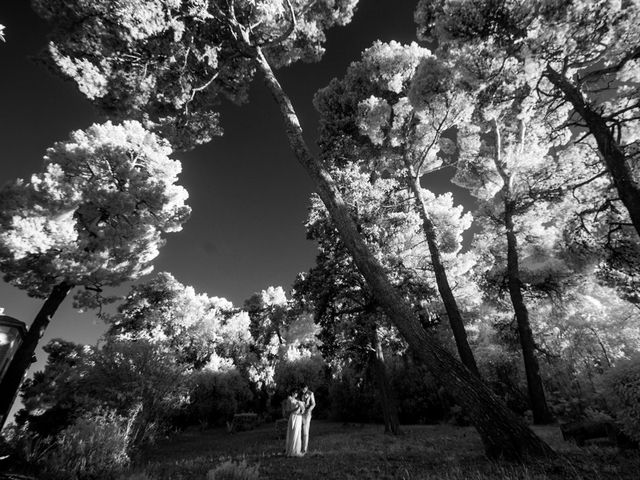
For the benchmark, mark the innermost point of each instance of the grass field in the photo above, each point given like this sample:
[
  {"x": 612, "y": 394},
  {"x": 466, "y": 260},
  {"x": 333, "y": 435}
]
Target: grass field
[{"x": 362, "y": 452}]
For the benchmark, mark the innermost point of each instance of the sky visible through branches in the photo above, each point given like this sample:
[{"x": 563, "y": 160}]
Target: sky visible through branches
[{"x": 249, "y": 197}]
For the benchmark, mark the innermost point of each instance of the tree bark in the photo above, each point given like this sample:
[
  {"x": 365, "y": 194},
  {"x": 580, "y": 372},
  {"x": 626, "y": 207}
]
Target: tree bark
[
  {"x": 387, "y": 399},
  {"x": 502, "y": 433},
  {"x": 611, "y": 152},
  {"x": 448, "y": 299},
  {"x": 23, "y": 357},
  {"x": 539, "y": 408}
]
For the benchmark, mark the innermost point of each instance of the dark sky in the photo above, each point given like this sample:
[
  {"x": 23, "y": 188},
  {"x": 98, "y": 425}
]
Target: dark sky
[{"x": 248, "y": 194}]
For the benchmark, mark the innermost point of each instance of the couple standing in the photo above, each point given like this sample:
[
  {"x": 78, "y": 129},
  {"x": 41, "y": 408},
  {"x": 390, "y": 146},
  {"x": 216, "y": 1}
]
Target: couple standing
[{"x": 298, "y": 406}]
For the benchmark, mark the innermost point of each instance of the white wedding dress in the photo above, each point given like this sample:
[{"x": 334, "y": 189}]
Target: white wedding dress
[{"x": 294, "y": 428}]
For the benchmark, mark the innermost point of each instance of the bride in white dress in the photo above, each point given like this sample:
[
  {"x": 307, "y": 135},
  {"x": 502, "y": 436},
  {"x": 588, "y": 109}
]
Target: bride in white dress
[{"x": 294, "y": 408}]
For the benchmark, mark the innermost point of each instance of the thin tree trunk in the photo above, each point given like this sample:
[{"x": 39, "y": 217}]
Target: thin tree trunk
[
  {"x": 611, "y": 152},
  {"x": 539, "y": 408},
  {"x": 23, "y": 357},
  {"x": 442, "y": 281},
  {"x": 502, "y": 433},
  {"x": 387, "y": 399},
  {"x": 541, "y": 413}
]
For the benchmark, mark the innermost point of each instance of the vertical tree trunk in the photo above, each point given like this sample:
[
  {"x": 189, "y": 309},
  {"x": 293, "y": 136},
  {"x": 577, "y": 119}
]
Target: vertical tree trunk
[
  {"x": 387, "y": 398},
  {"x": 442, "y": 281},
  {"x": 502, "y": 433},
  {"x": 23, "y": 357},
  {"x": 539, "y": 408},
  {"x": 611, "y": 152},
  {"x": 541, "y": 413}
]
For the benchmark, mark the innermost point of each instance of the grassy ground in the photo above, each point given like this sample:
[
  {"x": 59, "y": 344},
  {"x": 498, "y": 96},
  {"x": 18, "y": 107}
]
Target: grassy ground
[{"x": 363, "y": 452}]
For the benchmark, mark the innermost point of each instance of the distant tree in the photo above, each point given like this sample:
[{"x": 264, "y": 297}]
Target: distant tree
[
  {"x": 94, "y": 218},
  {"x": 199, "y": 329},
  {"x": 281, "y": 333},
  {"x": 168, "y": 61},
  {"x": 592, "y": 328},
  {"x": 268, "y": 313}
]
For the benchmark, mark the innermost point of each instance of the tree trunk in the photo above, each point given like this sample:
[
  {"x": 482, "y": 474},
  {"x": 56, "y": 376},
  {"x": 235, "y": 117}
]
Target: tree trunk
[
  {"x": 442, "y": 281},
  {"x": 23, "y": 357},
  {"x": 387, "y": 399},
  {"x": 502, "y": 433},
  {"x": 611, "y": 152},
  {"x": 541, "y": 413}
]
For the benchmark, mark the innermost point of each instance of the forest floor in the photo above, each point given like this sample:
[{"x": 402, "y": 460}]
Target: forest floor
[{"x": 338, "y": 451}]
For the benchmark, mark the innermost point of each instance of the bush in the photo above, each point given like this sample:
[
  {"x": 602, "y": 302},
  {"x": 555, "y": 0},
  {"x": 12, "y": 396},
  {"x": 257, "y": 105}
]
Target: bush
[
  {"x": 24, "y": 448},
  {"x": 231, "y": 470},
  {"x": 295, "y": 373},
  {"x": 310, "y": 371},
  {"x": 217, "y": 396},
  {"x": 621, "y": 389},
  {"x": 418, "y": 396},
  {"x": 353, "y": 398},
  {"x": 93, "y": 447}
]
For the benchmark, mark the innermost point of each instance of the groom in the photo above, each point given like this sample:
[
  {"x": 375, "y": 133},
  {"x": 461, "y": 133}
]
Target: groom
[{"x": 309, "y": 404}]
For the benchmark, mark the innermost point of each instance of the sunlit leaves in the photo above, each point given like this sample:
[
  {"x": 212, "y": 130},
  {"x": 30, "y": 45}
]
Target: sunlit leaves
[
  {"x": 96, "y": 214},
  {"x": 168, "y": 63},
  {"x": 200, "y": 330}
]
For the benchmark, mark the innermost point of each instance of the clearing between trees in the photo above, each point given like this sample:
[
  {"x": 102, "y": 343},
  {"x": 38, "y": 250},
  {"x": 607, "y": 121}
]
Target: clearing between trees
[{"x": 356, "y": 451}]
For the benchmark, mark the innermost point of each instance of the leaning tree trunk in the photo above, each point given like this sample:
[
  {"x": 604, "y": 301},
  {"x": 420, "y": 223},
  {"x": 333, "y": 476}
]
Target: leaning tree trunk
[
  {"x": 502, "y": 433},
  {"x": 387, "y": 399},
  {"x": 442, "y": 281},
  {"x": 610, "y": 150},
  {"x": 24, "y": 356},
  {"x": 539, "y": 408}
]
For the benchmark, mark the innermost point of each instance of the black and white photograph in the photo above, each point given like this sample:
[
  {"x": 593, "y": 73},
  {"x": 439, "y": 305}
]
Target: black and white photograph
[{"x": 319, "y": 239}]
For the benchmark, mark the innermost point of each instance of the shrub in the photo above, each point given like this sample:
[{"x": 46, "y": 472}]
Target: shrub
[
  {"x": 417, "y": 394},
  {"x": 353, "y": 398},
  {"x": 24, "y": 448},
  {"x": 231, "y": 470},
  {"x": 217, "y": 396},
  {"x": 621, "y": 389},
  {"x": 93, "y": 447},
  {"x": 297, "y": 372},
  {"x": 294, "y": 373}
]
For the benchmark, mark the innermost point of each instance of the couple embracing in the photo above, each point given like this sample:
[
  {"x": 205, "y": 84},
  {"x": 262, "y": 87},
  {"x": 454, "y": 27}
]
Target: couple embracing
[{"x": 298, "y": 406}]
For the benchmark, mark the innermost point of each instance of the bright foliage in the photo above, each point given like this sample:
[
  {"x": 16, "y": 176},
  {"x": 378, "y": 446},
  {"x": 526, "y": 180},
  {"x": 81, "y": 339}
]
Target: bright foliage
[{"x": 96, "y": 215}]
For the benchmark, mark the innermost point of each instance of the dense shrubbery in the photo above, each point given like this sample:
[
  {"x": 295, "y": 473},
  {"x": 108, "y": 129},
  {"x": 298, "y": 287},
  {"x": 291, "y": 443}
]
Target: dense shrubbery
[
  {"x": 216, "y": 396},
  {"x": 352, "y": 398},
  {"x": 418, "y": 396},
  {"x": 310, "y": 370},
  {"x": 293, "y": 373},
  {"x": 121, "y": 376},
  {"x": 95, "y": 446},
  {"x": 621, "y": 391}
]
